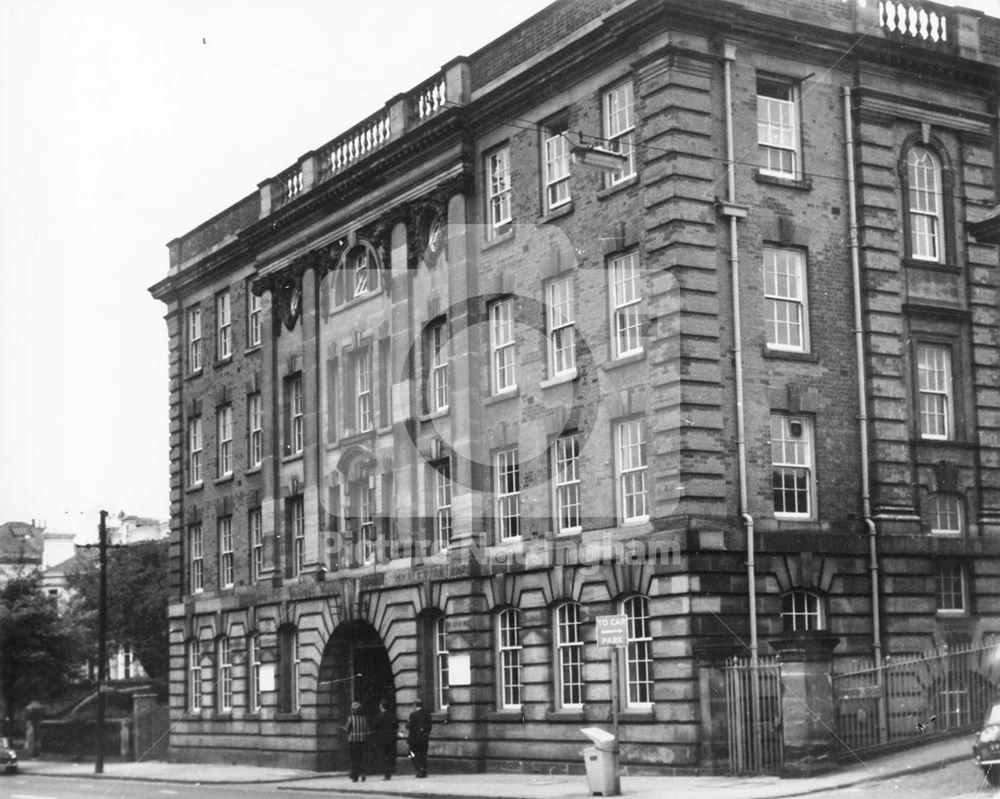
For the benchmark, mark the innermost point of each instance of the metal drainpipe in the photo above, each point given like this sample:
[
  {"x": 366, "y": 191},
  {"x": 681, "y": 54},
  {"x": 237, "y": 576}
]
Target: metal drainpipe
[
  {"x": 859, "y": 341},
  {"x": 729, "y": 55}
]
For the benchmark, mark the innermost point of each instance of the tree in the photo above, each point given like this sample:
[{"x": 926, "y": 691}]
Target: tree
[
  {"x": 137, "y": 601},
  {"x": 39, "y": 650}
]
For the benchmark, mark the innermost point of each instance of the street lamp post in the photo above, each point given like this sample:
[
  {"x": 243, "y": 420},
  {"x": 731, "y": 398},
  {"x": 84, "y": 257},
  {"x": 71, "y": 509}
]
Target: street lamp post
[{"x": 102, "y": 636}]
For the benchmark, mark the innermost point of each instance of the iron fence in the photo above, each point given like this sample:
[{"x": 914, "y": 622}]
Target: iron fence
[
  {"x": 753, "y": 706},
  {"x": 937, "y": 691}
]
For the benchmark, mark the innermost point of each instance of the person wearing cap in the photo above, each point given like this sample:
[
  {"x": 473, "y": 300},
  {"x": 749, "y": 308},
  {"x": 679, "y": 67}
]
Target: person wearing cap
[
  {"x": 419, "y": 736},
  {"x": 357, "y": 740}
]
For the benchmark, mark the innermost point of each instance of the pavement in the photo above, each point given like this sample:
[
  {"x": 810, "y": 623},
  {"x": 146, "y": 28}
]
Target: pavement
[{"x": 933, "y": 755}]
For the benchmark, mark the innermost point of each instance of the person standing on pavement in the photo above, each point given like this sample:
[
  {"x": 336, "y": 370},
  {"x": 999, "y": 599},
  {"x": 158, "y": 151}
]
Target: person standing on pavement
[
  {"x": 357, "y": 740},
  {"x": 384, "y": 730},
  {"x": 419, "y": 736}
]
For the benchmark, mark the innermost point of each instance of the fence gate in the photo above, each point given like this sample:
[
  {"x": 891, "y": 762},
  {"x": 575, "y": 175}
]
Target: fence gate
[{"x": 753, "y": 709}]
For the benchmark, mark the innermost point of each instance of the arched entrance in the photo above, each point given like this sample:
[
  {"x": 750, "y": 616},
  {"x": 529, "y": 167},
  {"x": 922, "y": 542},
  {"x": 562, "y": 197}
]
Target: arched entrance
[{"x": 355, "y": 668}]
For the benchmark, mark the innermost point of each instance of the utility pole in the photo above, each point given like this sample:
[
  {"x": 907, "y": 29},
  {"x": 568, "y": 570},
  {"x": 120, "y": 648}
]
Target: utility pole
[{"x": 102, "y": 638}]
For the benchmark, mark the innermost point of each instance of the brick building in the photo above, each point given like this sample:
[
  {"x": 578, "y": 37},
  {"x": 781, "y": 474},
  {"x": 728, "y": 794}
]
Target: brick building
[{"x": 632, "y": 311}]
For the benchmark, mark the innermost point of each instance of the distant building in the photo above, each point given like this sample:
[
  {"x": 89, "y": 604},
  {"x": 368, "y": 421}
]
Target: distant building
[
  {"x": 125, "y": 529},
  {"x": 663, "y": 310},
  {"x": 22, "y": 548}
]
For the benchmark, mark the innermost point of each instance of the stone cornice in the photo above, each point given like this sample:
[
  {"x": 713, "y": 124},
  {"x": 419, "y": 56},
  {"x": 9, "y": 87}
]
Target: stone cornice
[{"x": 911, "y": 108}]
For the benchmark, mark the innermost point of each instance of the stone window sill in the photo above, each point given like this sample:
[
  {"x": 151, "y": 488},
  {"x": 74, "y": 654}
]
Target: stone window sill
[
  {"x": 801, "y": 183},
  {"x": 625, "y": 360},
  {"x": 506, "y": 395},
  {"x": 556, "y": 213},
  {"x": 609, "y": 191},
  {"x": 790, "y": 355},
  {"x": 558, "y": 380},
  {"x": 497, "y": 241}
]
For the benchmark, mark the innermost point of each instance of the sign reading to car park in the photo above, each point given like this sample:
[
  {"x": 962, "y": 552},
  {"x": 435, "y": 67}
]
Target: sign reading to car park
[{"x": 612, "y": 630}]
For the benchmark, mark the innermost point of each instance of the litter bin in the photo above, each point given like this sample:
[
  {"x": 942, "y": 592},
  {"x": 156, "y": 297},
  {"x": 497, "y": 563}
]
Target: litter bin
[{"x": 601, "y": 762}]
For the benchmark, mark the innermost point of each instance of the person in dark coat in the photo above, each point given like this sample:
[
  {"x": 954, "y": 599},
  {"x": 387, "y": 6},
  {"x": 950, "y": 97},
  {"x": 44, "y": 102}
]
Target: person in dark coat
[
  {"x": 357, "y": 740},
  {"x": 419, "y": 736},
  {"x": 385, "y": 728}
]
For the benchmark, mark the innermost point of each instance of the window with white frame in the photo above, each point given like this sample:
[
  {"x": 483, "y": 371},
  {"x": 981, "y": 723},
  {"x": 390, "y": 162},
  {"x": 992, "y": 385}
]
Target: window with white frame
[
  {"x": 442, "y": 504},
  {"x": 365, "y": 497},
  {"x": 951, "y": 588},
  {"x": 224, "y": 440},
  {"x": 194, "y": 674},
  {"x": 785, "y": 299},
  {"x": 363, "y": 390},
  {"x": 499, "y": 192},
  {"x": 194, "y": 339},
  {"x": 437, "y": 354},
  {"x": 561, "y": 332},
  {"x": 923, "y": 170},
  {"x": 626, "y": 297},
  {"x": 255, "y": 422},
  {"x": 357, "y": 276},
  {"x": 296, "y": 430},
  {"x": 224, "y": 678},
  {"x": 289, "y": 665},
  {"x": 569, "y": 655},
  {"x": 196, "y": 558},
  {"x": 778, "y": 127},
  {"x": 631, "y": 467},
  {"x": 195, "y": 445},
  {"x": 944, "y": 514},
  {"x": 223, "y": 327},
  {"x": 792, "y": 479},
  {"x": 440, "y": 663},
  {"x": 934, "y": 386},
  {"x": 502, "y": 350},
  {"x": 801, "y": 610},
  {"x": 555, "y": 151},
  {"x": 638, "y": 653},
  {"x": 255, "y": 521},
  {"x": 227, "y": 575},
  {"x": 255, "y": 305},
  {"x": 297, "y": 519},
  {"x": 361, "y": 272},
  {"x": 254, "y": 692},
  {"x": 567, "y": 483},
  {"x": 508, "y": 494},
  {"x": 619, "y": 128},
  {"x": 297, "y": 650},
  {"x": 509, "y": 660}
]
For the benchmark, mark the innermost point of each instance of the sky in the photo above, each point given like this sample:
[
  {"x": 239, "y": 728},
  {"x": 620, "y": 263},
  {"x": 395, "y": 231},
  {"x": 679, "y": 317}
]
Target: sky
[{"x": 124, "y": 124}]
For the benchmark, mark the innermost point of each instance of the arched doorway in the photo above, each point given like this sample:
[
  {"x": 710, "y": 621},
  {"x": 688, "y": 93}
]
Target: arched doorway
[{"x": 355, "y": 668}]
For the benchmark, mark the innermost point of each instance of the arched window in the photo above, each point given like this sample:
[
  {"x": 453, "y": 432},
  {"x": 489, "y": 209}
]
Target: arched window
[
  {"x": 925, "y": 204},
  {"x": 509, "y": 658},
  {"x": 638, "y": 653},
  {"x": 569, "y": 655},
  {"x": 358, "y": 274},
  {"x": 802, "y": 610},
  {"x": 944, "y": 514}
]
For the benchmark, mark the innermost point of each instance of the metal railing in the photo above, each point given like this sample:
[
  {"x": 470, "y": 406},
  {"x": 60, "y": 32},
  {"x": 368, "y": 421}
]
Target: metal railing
[
  {"x": 753, "y": 707},
  {"x": 937, "y": 691}
]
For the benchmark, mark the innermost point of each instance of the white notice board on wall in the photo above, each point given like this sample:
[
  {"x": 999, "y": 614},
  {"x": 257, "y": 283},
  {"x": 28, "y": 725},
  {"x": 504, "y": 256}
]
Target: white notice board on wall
[{"x": 459, "y": 670}]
